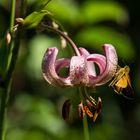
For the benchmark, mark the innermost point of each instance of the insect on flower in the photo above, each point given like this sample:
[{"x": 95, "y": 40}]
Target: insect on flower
[
  {"x": 82, "y": 73},
  {"x": 121, "y": 83}
]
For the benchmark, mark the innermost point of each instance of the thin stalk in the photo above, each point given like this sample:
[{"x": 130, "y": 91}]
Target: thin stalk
[
  {"x": 8, "y": 78},
  {"x": 69, "y": 40},
  {"x": 7, "y": 88},
  {"x": 85, "y": 122},
  {"x": 12, "y": 15},
  {"x": 86, "y": 130}
]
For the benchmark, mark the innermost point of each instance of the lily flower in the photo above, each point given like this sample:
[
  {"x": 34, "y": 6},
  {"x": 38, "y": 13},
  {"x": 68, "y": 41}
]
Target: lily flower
[
  {"x": 81, "y": 67},
  {"x": 82, "y": 73}
]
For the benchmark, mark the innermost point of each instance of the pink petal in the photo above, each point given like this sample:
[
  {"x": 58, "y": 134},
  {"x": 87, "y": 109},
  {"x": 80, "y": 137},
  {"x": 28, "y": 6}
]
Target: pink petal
[
  {"x": 49, "y": 70},
  {"x": 107, "y": 69},
  {"x": 61, "y": 63},
  {"x": 90, "y": 65},
  {"x": 78, "y": 70},
  {"x": 99, "y": 59}
]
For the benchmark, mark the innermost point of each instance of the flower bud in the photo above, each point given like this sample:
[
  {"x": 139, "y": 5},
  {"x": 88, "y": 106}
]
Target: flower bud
[{"x": 8, "y": 38}]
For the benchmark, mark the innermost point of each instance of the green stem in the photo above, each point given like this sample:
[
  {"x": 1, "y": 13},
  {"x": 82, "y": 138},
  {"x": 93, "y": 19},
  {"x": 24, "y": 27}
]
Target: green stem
[
  {"x": 69, "y": 40},
  {"x": 85, "y": 122},
  {"x": 5, "y": 94},
  {"x": 86, "y": 130},
  {"x": 2, "y": 112},
  {"x": 12, "y": 15},
  {"x": 7, "y": 88}
]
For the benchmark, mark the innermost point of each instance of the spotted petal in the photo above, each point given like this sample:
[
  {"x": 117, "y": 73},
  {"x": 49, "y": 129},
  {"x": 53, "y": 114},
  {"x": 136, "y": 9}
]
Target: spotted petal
[
  {"x": 49, "y": 68},
  {"x": 81, "y": 68},
  {"x": 78, "y": 70},
  {"x": 90, "y": 65}
]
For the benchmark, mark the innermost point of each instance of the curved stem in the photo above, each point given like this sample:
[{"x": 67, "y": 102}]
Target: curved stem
[
  {"x": 85, "y": 122},
  {"x": 65, "y": 36}
]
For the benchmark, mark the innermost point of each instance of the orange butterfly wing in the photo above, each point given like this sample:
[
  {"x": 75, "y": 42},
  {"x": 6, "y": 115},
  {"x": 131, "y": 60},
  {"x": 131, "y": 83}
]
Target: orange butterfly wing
[{"x": 123, "y": 85}]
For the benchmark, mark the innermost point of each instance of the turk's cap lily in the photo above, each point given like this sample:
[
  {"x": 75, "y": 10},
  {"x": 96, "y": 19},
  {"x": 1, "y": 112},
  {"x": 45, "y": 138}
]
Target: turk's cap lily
[{"x": 81, "y": 68}]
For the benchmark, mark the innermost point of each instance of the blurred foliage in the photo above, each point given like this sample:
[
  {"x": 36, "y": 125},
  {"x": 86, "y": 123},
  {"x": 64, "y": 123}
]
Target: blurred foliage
[
  {"x": 97, "y": 11},
  {"x": 89, "y": 13},
  {"x": 34, "y": 110},
  {"x": 92, "y": 37},
  {"x": 37, "y": 46}
]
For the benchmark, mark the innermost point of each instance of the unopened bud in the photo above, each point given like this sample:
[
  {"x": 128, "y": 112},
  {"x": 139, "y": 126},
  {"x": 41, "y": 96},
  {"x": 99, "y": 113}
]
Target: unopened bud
[
  {"x": 63, "y": 41},
  {"x": 19, "y": 20},
  {"x": 8, "y": 38},
  {"x": 55, "y": 25}
]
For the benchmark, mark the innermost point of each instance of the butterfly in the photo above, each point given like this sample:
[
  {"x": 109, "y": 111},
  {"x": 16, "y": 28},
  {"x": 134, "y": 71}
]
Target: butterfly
[{"x": 121, "y": 82}]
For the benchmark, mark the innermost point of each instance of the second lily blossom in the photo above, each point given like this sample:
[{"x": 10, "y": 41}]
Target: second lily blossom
[{"x": 81, "y": 67}]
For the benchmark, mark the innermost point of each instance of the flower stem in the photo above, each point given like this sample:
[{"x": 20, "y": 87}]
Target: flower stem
[
  {"x": 12, "y": 15},
  {"x": 7, "y": 82},
  {"x": 7, "y": 88},
  {"x": 85, "y": 126},
  {"x": 69, "y": 40},
  {"x": 85, "y": 122}
]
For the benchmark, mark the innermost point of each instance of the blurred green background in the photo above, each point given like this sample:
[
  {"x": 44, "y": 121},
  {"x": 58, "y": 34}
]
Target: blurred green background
[{"x": 34, "y": 108}]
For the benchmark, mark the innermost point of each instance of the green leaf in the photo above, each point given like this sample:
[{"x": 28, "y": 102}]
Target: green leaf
[
  {"x": 93, "y": 12},
  {"x": 40, "y": 113},
  {"x": 64, "y": 10},
  {"x": 101, "y": 35},
  {"x": 32, "y": 20}
]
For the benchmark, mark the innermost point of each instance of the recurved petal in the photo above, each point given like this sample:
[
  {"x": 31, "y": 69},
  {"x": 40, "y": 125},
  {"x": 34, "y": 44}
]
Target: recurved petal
[
  {"x": 49, "y": 69},
  {"x": 90, "y": 65},
  {"x": 107, "y": 65},
  {"x": 99, "y": 59},
  {"x": 62, "y": 63}
]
